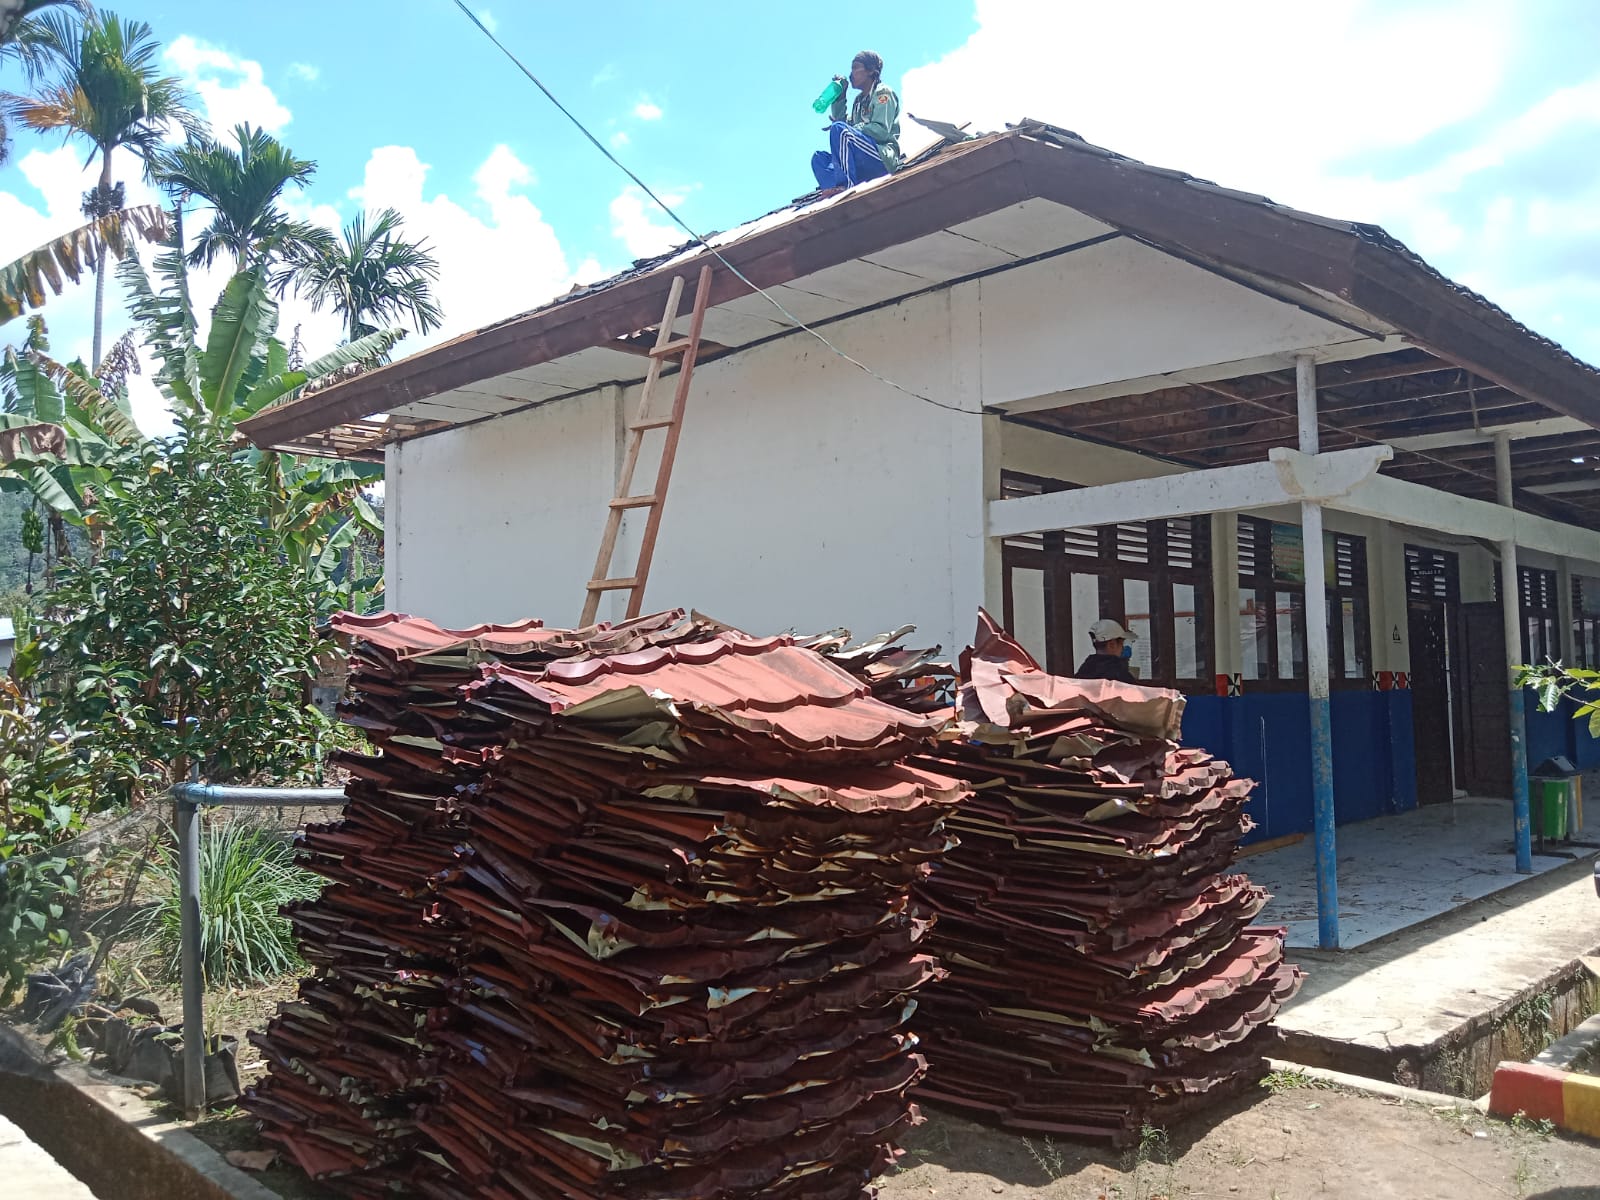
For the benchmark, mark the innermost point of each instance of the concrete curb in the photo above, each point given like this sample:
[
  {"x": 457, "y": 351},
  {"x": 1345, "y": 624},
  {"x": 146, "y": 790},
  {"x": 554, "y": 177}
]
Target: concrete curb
[
  {"x": 109, "y": 1136},
  {"x": 1568, "y": 1101},
  {"x": 1563, "y": 1052},
  {"x": 1379, "y": 1087}
]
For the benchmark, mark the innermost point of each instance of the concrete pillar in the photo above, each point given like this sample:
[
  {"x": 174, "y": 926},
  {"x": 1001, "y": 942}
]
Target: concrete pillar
[
  {"x": 1566, "y": 636},
  {"x": 1225, "y": 592},
  {"x": 1511, "y": 610},
  {"x": 1386, "y": 595},
  {"x": 1317, "y": 671}
]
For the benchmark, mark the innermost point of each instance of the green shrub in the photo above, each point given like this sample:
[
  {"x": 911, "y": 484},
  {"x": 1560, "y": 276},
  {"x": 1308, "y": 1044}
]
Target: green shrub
[
  {"x": 44, "y": 787},
  {"x": 246, "y": 874}
]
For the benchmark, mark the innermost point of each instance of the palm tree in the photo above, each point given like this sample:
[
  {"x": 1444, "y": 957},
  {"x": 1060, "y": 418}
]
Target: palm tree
[
  {"x": 19, "y": 41},
  {"x": 100, "y": 85},
  {"x": 372, "y": 277},
  {"x": 242, "y": 186}
]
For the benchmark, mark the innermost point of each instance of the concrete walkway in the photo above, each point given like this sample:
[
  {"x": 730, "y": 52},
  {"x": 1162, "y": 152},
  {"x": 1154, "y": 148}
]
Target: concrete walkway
[
  {"x": 27, "y": 1171},
  {"x": 1398, "y": 870},
  {"x": 1418, "y": 990}
]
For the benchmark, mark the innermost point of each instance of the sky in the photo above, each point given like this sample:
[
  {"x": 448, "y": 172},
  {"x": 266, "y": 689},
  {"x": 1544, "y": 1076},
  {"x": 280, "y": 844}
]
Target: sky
[{"x": 1470, "y": 129}]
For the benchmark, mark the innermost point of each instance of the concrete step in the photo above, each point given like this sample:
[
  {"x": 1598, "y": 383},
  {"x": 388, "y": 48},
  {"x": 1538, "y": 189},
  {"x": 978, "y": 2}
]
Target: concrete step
[{"x": 28, "y": 1171}]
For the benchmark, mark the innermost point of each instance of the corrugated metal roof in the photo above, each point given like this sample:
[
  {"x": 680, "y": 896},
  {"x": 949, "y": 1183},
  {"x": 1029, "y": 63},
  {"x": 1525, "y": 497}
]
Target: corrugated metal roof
[{"x": 923, "y": 260}]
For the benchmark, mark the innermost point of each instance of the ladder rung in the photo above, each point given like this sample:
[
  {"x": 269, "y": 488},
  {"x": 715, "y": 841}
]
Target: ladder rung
[
  {"x": 645, "y": 501},
  {"x": 676, "y": 346},
  {"x": 613, "y": 585},
  {"x": 653, "y": 423}
]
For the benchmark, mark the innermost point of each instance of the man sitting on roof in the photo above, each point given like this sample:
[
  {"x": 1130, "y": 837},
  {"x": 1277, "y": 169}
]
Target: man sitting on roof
[{"x": 867, "y": 145}]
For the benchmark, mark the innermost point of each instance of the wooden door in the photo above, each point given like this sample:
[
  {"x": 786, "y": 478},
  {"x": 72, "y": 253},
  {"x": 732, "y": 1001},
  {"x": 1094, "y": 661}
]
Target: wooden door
[
  {"x": 1431, "y": 702},
  {"x": 1485, "y": 749}
]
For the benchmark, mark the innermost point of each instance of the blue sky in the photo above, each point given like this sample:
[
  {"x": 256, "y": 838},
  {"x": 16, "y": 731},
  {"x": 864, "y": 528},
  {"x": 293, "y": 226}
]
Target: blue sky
[{"x": 1469, "y": 129}]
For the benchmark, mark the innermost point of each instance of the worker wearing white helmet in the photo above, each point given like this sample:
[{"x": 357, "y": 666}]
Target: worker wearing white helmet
[{"x": 1108, "y": 660}]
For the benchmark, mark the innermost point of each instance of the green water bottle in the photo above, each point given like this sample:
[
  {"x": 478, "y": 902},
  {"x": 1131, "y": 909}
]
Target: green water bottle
[{"x": 832, "y": 92}]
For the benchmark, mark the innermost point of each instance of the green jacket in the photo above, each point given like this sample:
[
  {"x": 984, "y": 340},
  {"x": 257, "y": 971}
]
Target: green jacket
[{"x": 876, "y": 114}]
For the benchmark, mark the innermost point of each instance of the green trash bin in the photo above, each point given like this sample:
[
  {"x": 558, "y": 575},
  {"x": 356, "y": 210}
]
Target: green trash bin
[{"x": 1552, "y": 800}]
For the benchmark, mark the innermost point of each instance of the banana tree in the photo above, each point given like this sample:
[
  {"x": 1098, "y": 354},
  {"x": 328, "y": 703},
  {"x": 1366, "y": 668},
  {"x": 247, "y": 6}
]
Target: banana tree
[
  {"x": 315, "y": 506},
  {"x": 56, "y": 442},
  {"x": 64, "y": 259}
]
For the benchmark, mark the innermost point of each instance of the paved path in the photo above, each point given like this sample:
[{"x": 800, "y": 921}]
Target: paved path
[
  {"x": 27, "y": 1171},
  {"x": 1417, "y": 987}
]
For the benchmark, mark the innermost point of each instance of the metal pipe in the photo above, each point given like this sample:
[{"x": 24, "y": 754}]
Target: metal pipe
[
  {"x": 1317, "y": 671},
  {"x": 1511, "y": 613},
  {"x": 194, "y": 1055},
  {"x": 188, "y": 799},
  {"x": 204, "y": 794}
]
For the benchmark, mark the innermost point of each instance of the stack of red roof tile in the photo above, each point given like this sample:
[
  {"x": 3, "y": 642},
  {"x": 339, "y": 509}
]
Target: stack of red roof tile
[
  {"x": 617, "y": 913},
  {"x": 918, "y": 680},
  {"x": 1103, "y": 972}
]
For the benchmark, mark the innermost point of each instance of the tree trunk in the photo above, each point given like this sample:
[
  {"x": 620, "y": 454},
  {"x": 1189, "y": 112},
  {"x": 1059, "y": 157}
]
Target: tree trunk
[{"x": 100, "y": 273}]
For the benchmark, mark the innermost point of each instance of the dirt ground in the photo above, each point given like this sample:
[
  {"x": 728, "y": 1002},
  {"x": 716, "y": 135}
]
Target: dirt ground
[
  {"x": 1297, "y": 1142},
  {"x": 1284, "y": 1145}
]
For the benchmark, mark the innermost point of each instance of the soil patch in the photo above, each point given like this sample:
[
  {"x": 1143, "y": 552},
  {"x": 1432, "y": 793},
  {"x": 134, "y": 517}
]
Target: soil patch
[{"x": 1301, "y": 1142}]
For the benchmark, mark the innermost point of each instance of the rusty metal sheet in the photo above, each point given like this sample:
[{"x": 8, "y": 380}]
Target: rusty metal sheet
[
  {"x": 1103, "y": 969},
  {"x": 630, "y": 918}
]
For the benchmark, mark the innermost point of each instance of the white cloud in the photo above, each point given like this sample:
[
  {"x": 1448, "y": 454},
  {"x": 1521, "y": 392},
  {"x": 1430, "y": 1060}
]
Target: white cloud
[
  {"x": 619, "y": 139},
  {"x": 305, "y": 72},
  {"x": 1218, "y": 120},
  {"x": 646, "y": 111},
  {"x": 606, "y": 74},
  {"x": 231, "y": 90},
  {"x": 497, "y": 253},
  {"x": 488, "y": 20},
  {"x": 1488, "y": 188},
  {"x": 636, "y": 224}
]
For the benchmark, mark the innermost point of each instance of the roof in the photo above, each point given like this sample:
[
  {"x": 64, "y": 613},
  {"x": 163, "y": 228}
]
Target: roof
[
  {"x": 8, "y": 630},
  {"x": 752, "y": 689},
  {"x": 970, "y": 209}
]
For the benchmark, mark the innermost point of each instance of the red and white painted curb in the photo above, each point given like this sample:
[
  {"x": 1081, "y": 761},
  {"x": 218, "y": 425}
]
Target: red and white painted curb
[{"x": 1566, "y": 1099}]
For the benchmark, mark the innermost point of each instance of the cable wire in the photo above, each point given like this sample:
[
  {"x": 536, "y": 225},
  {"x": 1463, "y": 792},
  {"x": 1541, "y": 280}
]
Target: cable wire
[{"x": 679, "y": 221}]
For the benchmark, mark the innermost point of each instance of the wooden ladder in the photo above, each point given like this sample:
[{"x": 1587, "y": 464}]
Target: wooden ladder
[{"x": 685, "y": 350}]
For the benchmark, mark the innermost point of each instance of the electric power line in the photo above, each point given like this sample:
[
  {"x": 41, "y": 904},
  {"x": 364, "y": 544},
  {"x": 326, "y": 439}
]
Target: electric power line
[{"x": 737, "y": 274}]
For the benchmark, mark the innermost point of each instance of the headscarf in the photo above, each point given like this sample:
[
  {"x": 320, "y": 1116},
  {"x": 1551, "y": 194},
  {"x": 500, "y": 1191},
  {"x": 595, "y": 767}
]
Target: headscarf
[
  {"x": 863, "y": 105},
  {"x": 871, "y": 62}
]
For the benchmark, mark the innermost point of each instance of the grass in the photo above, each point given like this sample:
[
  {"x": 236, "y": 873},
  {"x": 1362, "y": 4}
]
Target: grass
[
  {"x": 247, "y": 874},
  {"x": 1291, "y": 1080}
]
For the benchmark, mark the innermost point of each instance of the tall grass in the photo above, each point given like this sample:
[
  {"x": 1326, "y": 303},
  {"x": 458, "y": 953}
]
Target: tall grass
[{"x": 246, "y": 874}]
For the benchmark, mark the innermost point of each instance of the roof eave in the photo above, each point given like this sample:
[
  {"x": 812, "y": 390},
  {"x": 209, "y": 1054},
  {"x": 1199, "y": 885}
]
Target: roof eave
[{"x": 966, "y": 182}]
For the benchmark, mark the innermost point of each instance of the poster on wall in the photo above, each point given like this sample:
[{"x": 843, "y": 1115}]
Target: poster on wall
[{"x": 1289, "y": 554}]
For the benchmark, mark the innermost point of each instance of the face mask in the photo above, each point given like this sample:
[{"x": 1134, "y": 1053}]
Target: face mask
[{"x": 1127, "y": 650}]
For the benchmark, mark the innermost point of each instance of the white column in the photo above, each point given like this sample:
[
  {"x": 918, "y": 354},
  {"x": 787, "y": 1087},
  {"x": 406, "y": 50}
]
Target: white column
[
  {"x": 1305, "y": 372},
  {"x": 1225, "y": 592},
  {"x": 1564, "y": 614},
  {"x": 1511, "y": 611}
]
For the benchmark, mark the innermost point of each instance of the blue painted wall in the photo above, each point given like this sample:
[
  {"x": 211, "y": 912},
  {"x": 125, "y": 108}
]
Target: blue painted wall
[
  {"x": 1267, "y": 736},
  {"x": 1559, "y": 732}
]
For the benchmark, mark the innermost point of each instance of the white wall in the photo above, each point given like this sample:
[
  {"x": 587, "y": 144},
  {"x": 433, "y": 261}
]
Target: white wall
[
  {"x": 806, "y": 494},
  {"x": 1122, "y": 310}
]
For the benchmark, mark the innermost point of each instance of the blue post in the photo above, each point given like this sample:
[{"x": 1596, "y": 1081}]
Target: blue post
[
  {"x": 1519, "y": 782},
  {"x": 1317, "y": 670},
  {"x": 1323, "y": 818},
  {"x": 1511, "y": 614}
]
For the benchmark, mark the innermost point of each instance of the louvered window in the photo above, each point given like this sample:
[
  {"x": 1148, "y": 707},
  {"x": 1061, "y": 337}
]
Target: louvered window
[
  {"x": 1586, "y": 622},
  {"x": 1272, "y": 604},
  {"x": 1540, "y": 619},
  {"x": 1154, "y": 577},
  {"x": 1432, "y": 575}
]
